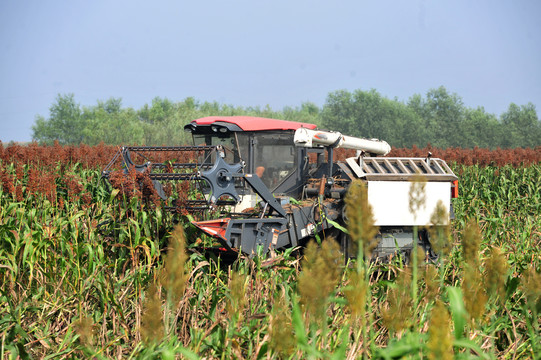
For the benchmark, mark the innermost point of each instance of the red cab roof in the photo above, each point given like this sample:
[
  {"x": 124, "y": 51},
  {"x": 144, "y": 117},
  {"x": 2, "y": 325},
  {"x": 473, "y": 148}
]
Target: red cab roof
[{"x": 252, "y": 123}]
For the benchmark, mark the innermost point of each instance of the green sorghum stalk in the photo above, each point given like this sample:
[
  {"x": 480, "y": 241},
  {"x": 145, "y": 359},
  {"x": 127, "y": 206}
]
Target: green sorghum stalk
[
  {"x": 85, "y": 329},
  {"x": 360, "y": 218},
  {"x": 473, "y": 288},
  {"x": 237, "y": 300},
  {"x": 319, "y": 277},
  {"x": 471, "y": 242},
  {"x": 440, "y": 338},
  {"x": 417, "y": 201},
  {"x": 282, "y": 337},
  {"x": 496, "y": 268},
  {"x": 417, "y": 194},
  {"x": 152, "y": 325},
  {"x": 431, "y": 279},
  {"x": 356, "y": 292},
  {"x": 173, "y": 276},
  {"x": 398, "y": 314},
  {"x": 440, "y": 231},
  {"x": 531, "y": 286}
]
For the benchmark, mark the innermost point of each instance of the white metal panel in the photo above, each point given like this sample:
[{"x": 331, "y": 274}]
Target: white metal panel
[{"x": 390, "y": 202}]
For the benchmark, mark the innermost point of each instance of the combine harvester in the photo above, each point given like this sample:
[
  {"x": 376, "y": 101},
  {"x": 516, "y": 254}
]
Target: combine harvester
[{"x": 274, "y": 184}]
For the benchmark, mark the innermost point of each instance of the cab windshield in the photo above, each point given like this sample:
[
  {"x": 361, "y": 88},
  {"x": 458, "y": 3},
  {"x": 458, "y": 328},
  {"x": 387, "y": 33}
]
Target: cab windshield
[
  {"x": 274, "y": 157},
  {"x": 269, "y": 154},
  {"x": 227, "y": 141}
]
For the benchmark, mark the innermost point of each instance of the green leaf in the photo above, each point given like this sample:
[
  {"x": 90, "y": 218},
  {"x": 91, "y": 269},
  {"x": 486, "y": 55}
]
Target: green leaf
[
  {"x": 337, "y": 225},
  {"x": 294, "y": 201},
  {"x": 188, "y": 354},
  {"x": 340, "y": 353},
  {"x": 458, "y": 311},
  {"x": 511, "y": 286},
  {"x": 408, "y": 344},
  {"x": 298, "y": 324},
  {"x": 468, "y": 344}
]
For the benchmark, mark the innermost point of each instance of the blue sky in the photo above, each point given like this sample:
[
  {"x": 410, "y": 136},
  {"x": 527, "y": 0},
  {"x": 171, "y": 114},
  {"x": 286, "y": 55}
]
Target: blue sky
[{"x": 258, "y": 53}]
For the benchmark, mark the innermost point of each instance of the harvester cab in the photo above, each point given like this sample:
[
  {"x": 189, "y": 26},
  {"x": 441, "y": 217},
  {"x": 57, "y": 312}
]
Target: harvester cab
[
  {"x": 275, "y": 184},
  {"x": 264, "y": 147}
]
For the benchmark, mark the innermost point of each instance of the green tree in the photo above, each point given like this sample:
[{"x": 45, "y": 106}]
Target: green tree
[
  {"x": 521, "y": 126},
  {"x": 108, "y": 122},
  {"x": 440, "y": 118},
  {"x": 308, "y": 112},
  {"x": 409, "y": 129},
  {"x": 64, "y": 124},
  {"x": 368, "y": 114},
  {"x": 481, "y": 129},
  {"x": 157, "y": 121},
  {"x": 442, "y": 114},
  {"x": 337, "y": 113}
]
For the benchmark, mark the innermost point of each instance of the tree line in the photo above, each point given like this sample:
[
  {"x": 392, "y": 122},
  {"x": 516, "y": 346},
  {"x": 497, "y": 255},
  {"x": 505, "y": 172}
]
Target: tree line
[{"x": 439, "y": 118}]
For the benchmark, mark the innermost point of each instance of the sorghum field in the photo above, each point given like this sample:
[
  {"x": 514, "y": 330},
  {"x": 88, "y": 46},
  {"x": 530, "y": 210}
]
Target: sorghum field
[{"x": 86, "y": 272}]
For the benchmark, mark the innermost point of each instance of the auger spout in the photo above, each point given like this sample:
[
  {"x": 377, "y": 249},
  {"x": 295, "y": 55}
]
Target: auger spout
[{"x": 312, "y": 138}]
